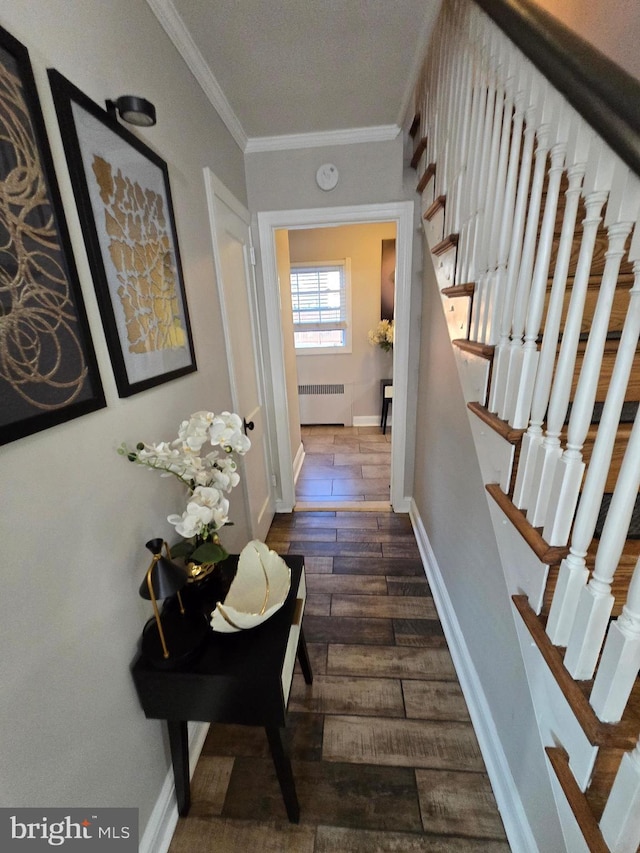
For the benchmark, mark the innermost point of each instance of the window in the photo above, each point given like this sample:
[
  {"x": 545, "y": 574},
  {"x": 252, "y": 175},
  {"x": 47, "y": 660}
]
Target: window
[{"x": 320, "y": 298}]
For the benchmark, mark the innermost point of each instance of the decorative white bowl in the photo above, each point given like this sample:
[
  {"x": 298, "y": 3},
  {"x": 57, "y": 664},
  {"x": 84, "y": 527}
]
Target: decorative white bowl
[{"x": 258, "y": 590}]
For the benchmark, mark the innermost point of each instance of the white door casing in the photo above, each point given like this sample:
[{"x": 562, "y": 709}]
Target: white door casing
[
  {"x": 234, "y": 265},
  {"x": 268, "y": 223}
]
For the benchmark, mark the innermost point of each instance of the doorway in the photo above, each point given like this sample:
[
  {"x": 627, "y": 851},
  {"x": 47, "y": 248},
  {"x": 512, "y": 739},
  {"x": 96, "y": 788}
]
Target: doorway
[
  {"x": 269, "y": 224},
  {"x": 340, "y": 382}
]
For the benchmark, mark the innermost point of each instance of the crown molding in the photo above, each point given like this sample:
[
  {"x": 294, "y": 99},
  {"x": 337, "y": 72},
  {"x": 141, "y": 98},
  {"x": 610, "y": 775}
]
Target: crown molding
[
  {"x": 174, "y": 26},
  {"x": 351, "y": 136}
]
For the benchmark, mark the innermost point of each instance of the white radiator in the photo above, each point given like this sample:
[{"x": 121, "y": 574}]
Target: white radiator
[{"x": 325, "y": 404}]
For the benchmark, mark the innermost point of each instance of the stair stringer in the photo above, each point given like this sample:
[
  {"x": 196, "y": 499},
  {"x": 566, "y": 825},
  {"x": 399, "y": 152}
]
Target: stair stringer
[
  {"x": 523, "y": 572},
  {"x": 547, "y": 700},
  {"x": 474, "y": 374}
]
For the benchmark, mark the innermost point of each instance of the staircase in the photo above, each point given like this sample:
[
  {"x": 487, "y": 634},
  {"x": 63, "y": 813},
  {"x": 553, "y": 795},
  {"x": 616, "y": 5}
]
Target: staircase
[{"x": 531, "y": 211}]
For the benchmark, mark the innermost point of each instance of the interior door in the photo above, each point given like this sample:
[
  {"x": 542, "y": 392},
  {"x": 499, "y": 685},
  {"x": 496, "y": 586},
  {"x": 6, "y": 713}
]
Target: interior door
[{"x": 233, "y": 257}]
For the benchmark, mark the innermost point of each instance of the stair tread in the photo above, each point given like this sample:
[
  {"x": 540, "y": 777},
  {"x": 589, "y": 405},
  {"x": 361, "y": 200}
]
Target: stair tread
[
  {"x": 622, "y": 735},
  {"x": 578, "y": 802}
]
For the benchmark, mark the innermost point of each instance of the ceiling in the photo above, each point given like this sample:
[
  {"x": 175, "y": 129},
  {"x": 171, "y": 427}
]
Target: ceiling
[{"x": 302, "y": 69}]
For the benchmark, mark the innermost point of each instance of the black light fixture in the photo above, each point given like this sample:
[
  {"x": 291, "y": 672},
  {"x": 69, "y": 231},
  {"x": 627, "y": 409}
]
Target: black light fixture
[
  {"x": 133, "y": 109},
  {"x": 163, "y": 580}
]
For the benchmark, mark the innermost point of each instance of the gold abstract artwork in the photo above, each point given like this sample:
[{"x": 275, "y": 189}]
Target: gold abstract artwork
[
  {"x": 42, "y": 362},
  {"x": 140, "y": 249}
]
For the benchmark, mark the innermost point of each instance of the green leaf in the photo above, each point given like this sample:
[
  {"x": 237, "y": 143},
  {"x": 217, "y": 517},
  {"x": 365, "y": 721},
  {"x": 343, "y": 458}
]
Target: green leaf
[
  {"x": 208, "y": 552},
  {"x": 183, "y": 548}
]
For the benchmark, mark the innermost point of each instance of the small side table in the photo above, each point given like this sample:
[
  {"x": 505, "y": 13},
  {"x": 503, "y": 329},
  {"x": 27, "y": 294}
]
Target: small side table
[{"x": 240, "y": 678}]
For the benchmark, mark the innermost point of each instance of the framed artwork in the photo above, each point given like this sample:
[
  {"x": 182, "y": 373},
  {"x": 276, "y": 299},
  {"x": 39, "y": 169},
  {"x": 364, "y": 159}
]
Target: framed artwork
[
  {"x": 124, "y": 201},
  {"x": 48, "y": 370},
  {"x": 387, "y": 279}
]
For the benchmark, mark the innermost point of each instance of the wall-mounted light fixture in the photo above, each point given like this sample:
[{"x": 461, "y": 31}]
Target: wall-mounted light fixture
[{"x": 133, "y": 110}]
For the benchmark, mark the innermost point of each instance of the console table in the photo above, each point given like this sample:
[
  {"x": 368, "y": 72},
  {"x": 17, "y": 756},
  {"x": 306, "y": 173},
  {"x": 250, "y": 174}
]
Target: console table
[{"x": 240, "y": 678}]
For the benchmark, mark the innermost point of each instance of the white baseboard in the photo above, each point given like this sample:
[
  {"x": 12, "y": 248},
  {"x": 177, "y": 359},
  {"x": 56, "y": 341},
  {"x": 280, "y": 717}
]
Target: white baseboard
[
  {"x": 297, "y": 462},
  {"x": 512, "y": 812},
  {"x": 164, "y": 817},
  {"x": 370, "y": 420}
]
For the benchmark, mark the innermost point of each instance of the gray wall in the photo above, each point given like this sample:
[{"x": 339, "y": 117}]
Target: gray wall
[
  {"x": 451, "y": 500},
  {"x": 286, "y": 180},
  {"x": 75, "y": 515}
]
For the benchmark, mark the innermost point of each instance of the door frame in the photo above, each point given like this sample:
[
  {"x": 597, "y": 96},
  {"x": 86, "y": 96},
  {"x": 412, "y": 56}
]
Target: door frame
[
  {"x": 216, "y": 189},
  {"x": 402, "y": 214}
]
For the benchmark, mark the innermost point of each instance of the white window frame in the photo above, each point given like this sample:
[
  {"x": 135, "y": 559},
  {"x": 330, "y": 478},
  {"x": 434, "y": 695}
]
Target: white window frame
[{"x": 346, "y": 348}]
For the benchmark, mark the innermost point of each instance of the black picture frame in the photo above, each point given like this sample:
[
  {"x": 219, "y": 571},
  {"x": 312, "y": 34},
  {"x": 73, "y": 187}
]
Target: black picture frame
[
  {"x": 48, "y": 369},
  {"x": 124, "y": 200}
]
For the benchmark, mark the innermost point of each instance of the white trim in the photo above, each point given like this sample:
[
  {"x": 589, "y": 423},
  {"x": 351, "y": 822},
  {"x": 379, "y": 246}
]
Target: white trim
[
  {"x": 268, "y": 223},
  {"x": 164, "y": 817},
  {"x": 514, "y": 818},
  {"x": 298, "y": 462},
  {"x": 368, "y": 421},
  {"x": 321, "y": 139},
  {"x": 175, "y": 28}
]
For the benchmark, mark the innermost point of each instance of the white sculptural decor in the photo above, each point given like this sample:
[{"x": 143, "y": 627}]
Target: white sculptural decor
[{"x": 258, "y": 590}]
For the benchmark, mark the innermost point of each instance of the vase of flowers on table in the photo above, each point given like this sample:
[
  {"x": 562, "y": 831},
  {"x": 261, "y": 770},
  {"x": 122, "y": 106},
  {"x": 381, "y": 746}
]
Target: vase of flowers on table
[
  {"x": 203, "y": 457},
  {"x": 382, "y": 335}
]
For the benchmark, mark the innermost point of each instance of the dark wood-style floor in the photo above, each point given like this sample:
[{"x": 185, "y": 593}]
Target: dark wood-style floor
[
  {"x": 344, "y": 464},
  {"x": 383, "y": 752}
]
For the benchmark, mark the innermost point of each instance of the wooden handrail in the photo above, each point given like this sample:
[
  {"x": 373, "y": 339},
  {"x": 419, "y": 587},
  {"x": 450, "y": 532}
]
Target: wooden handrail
[{"x": 602, "y": 92}]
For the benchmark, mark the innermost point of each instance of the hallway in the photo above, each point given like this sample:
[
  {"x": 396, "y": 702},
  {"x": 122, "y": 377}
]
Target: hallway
[
  {"x": 383, "y": 752},
  {"x": 344, "y": 464}
]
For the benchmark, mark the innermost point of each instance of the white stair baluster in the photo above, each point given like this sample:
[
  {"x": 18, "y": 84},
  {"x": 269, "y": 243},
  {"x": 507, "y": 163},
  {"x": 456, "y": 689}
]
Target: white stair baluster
[
  {"x": 488, "y": 188},
  {"x": 551, "y": 451},
  {"x": 500, "y": 200},
  {"x": 622, "y": 210},
  {"x": 501, "y": 354},
  {"x": 530, "y": 354},
  {"x": 573, "y": 571},
  {"x": 620, "y": 823},
  {"x": 523, "y": 286},
  {"x": 499, "y": 326},
  {"x": 620, "y": 661},
  {"x": 595, "y": 601},
  {"x": 486, "y": 94},
  {"x": 478, "y": 100},
  {"x": 526, "y": 486}
]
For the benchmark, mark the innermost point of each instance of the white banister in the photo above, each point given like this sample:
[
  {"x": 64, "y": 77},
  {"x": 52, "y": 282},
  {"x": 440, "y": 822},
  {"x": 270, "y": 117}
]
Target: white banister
[
  {"x": 573, "y": 571},
  {"x": 622, "y": 210},
  {"x": 619, "y": 824},
  {"x": 595, "y": 601},
  {"x": 526, "y": 486},
  {"x": 496, "y": 332},
  {"x": 551, "y": 451},
  {"x": 501, "y": 354},
  {"x": 500, "y": 203},
  {"x": 484, "y": 245},
  {"x": 478, "y": 119},
  {"x": 523, "y": 390},
  {"x": 546, "y": 104}
]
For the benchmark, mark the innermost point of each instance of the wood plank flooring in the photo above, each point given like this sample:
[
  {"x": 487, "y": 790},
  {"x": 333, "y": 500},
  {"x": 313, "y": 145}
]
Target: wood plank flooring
[
  {"x": 344, "y": 464},
  {"x": 383, "y": 751}
]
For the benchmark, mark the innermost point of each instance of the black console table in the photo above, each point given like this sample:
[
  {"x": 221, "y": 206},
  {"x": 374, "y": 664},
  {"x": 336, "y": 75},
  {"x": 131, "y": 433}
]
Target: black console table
[{"x": 240, "y": 678}]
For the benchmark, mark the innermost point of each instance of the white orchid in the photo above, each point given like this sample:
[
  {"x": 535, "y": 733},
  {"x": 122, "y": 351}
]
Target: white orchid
[{"x": 208, "y": 477}]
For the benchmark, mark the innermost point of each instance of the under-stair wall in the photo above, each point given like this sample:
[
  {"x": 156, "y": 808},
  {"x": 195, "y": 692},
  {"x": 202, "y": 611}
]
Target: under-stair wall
[{"x": 530, "y": 199}]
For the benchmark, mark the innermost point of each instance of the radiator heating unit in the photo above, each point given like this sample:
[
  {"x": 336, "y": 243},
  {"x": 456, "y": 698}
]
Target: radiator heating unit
[{"x": 325, "y": 404}]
